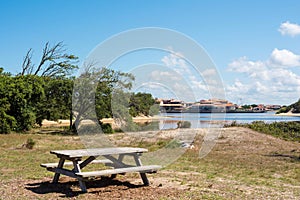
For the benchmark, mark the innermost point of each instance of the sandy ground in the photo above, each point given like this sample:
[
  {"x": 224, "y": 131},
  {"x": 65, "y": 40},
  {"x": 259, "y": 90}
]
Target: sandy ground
[
  {"x": 289, "y": 114},
  {"x": 62, "y": 122}
]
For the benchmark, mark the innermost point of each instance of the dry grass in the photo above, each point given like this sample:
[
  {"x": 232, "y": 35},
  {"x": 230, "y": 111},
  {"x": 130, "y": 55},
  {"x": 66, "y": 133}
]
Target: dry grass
[{"x": 243, "y": 165}]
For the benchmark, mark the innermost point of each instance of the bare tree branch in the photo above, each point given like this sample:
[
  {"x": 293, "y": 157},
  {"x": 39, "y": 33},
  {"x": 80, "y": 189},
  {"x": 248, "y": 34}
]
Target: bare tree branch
[
  {"x": 54, "y": 62},
  {"x": 27, "y": 63}
]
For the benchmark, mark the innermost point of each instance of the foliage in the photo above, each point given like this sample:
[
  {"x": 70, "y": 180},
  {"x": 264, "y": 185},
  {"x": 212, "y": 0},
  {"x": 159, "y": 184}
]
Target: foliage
[
  {"x": 106, "y": 128},
  {"x": 232, "y": 124},
  {"x": 283, "y": 109},
  {"x": 110, "y": 82},
  {"x": 173, "y": 144},
  {"x": 246, "y": 107},
  {"x": 39, "y": 92},
  {"x": 7, "y": 122},
  {"x": 58, "y": 98},
  {"x": 284, "y": 130},
  {"x": 30, "y": 143},
  {"x": 23, "y": 94},
  {"x": 142, "y": 104},
  {"x": 27, "y": 100},
  {"x": 97, "y": 91},
  {"x": 294, "y": 108},
  {"x": 184, "y": 124},
  {"x": 45, "y": 91}
]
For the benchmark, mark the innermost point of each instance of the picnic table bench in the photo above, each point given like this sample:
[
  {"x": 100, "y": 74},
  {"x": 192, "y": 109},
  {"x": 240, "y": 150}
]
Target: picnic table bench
[{"x": 113, "y": 157}]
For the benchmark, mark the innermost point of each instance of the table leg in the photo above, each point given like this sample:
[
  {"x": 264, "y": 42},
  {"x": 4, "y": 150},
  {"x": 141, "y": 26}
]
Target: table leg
[
  {"x": 78, "y": 170},
  {"x": 60, "y": 166},
  {"x": 139, "y": 163}
]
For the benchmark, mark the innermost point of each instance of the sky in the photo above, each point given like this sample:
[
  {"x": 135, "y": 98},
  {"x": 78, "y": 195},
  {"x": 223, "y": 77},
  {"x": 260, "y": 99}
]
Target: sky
[{"x": 255, "y": 45}]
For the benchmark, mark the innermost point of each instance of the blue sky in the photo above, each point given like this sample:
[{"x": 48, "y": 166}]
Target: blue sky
[{"x": 254, "y": 44}]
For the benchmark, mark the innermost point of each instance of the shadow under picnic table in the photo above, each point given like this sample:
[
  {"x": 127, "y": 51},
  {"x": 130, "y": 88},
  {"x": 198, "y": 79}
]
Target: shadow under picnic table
[{"x": 65, "y": 187}]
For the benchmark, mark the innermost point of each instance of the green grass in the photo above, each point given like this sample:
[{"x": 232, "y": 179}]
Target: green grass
[{"x": 18, "y": 162}]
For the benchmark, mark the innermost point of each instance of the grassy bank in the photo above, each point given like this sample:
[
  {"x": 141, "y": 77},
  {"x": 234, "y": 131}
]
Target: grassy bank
[{"x": 284, "y": 130}]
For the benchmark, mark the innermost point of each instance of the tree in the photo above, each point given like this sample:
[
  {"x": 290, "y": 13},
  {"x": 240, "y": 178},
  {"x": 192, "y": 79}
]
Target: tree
[
  {"x": 93, "y": 92},
  {"x": 25, "y": 94},
  {"x": 54, "y": 62},
  {"x": 7, "y": 122},
  {"x": 141, "y": 104},
  {"x": 57, "y": 103}
]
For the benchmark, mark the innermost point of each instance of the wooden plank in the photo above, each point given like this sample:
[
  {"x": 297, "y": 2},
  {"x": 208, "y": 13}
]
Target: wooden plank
[
  {"x": 141, "y": 169},
  {"x": 97, "y": 152},
  {"x": 63, "y": 171},
  {"x": 52, "y": 165}
]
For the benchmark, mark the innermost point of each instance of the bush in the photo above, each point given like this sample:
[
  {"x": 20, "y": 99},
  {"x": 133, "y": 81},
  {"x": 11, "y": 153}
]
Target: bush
[
  {"x": 30, "y": 143},
  {"x": 7, "y": 123},
  {"x": 184, "y": 124},
  {"x": 106, "y": 128},
  {"x": 173, "y": 144},
  {"x": 284, "y": 130}
]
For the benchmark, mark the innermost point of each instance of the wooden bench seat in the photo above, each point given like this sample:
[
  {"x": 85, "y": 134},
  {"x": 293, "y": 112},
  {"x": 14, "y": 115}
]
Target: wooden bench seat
[
  {"x": 140, "y": 169},
  {"x": 53, "y": 165}
]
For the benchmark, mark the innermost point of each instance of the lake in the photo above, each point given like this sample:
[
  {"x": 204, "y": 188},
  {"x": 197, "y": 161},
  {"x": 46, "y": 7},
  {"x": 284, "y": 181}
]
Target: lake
[{"x": 206, "y": 120}]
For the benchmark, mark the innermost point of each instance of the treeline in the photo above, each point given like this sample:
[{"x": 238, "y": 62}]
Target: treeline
[
  {"x": 44, "y": 91},
  {"x": 28, "y": 99}
]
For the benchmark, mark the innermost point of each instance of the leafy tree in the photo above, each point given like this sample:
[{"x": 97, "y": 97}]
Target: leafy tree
[
  {"x": 25, "y": 93},
  {"x": 94, "y": 90},
  {"x": 57, "y": 103},
  {"x": 7, "y": 122},
  {"x": 141, "y": 104},
  {"x": 246, "y": 107}
]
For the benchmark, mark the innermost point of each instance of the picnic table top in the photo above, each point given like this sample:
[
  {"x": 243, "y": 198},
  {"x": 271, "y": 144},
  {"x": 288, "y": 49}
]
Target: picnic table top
[{"x": 98, "y": 151}]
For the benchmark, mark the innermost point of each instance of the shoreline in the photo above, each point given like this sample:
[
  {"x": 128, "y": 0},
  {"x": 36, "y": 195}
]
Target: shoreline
[
  {"x": 63, "y": 122},
  {"x": 289, "y": 114}
]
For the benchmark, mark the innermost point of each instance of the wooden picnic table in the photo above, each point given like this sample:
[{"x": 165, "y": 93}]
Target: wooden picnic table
[{"x": 114, "y": 158}]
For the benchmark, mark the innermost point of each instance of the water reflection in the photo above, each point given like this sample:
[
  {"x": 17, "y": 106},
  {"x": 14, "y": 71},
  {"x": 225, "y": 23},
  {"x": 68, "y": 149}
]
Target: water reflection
[{"x": 209, "y": 120}]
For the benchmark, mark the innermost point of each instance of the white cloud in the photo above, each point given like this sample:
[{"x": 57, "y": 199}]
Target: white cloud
[
  {"x": 209, "y": 72},
  {"x": 290, "y": 29},
  {"x": 165, "y": 75},
  {"x": 285, "y": 58},
  {"x": 174, "y": 59},
  {"x": 269, "y": 81},
  {"x": 243, "y": 65}
]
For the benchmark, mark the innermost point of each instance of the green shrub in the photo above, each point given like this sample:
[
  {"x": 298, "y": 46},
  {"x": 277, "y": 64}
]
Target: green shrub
[
  {"x": 173, "y": 144},
  {"x": 30, "y": 143},
  {"x": 106, "y": 128},
  {"x": 184, "y": 124},
  {"x": 283, "y": 130}
]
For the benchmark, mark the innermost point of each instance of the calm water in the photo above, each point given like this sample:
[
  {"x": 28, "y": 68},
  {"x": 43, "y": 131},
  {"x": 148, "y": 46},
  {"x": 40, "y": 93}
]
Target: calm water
[{"x": 204, "y": 120}]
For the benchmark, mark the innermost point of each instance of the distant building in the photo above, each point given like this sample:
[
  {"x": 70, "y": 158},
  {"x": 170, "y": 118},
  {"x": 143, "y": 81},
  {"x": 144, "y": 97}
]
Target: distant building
[{"x": 203, "y": 106}]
